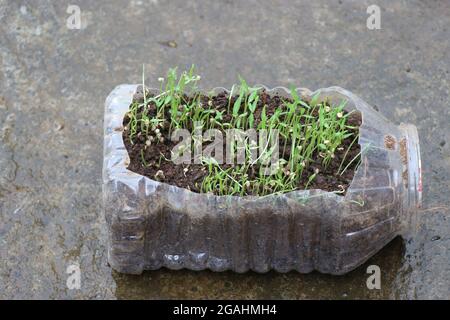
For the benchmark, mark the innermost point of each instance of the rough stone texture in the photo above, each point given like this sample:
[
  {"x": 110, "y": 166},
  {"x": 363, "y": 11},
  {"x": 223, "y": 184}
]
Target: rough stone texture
[{"x": 53, "y": 82}]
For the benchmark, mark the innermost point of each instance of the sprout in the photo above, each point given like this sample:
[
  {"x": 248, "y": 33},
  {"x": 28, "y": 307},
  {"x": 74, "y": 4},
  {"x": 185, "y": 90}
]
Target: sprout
[
  {"x": 311, "y": 132},
  {"x": 159, "y": 175}
]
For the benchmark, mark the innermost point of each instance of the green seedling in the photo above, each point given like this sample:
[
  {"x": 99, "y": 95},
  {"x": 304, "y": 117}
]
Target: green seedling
[{"x": 310, "y": 132}]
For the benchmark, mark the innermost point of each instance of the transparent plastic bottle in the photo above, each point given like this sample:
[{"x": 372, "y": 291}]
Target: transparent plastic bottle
[{"x": 153, "y": 225}]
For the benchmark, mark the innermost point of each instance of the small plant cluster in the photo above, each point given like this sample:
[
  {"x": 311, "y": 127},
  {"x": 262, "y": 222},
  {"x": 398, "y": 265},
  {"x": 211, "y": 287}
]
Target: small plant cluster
[{"x": 309, "y": 132}]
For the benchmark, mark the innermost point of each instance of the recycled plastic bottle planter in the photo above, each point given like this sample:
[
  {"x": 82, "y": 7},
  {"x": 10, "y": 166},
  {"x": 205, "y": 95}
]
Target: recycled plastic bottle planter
[{"x": 153, "y": 224}]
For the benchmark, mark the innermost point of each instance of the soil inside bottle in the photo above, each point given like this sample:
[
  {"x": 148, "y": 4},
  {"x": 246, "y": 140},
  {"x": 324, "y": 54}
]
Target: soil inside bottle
[{"x": 154, "y": 162}]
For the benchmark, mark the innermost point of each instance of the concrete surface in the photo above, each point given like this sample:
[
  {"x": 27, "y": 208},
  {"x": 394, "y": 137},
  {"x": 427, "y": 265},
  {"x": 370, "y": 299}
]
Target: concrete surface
[{"x": 53, "y": 82}]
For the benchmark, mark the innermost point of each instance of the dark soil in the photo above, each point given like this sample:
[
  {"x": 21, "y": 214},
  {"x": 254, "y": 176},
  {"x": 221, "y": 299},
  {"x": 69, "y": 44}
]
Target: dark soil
[{"x": 192, "y": 178}]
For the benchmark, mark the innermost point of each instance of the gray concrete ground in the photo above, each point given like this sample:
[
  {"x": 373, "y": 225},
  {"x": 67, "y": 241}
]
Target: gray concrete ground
[{"x": 53, "y": 82}]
